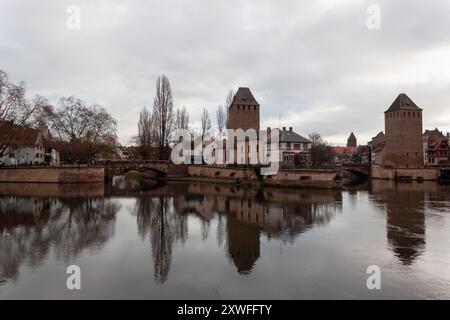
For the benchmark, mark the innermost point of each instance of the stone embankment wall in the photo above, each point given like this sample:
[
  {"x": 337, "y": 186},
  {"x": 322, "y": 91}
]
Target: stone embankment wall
[
  {"x": 380, "y": 172},
  {"x": 289, "y": 177},
  {"x": 52, "y": 174}
]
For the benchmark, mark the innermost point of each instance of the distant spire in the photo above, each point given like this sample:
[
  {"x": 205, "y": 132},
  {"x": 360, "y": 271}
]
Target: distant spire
[{"x": 351, "y": 141}]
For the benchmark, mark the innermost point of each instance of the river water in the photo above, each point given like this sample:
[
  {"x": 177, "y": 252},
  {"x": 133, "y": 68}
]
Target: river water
[{"x": 141, "y": 240}]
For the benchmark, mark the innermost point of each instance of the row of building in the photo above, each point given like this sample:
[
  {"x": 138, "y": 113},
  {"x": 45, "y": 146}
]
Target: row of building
[
  {"x": 403, "y": 144},
  {"x": 407, "y": 145},
  {"x": 436, "y": 148}
]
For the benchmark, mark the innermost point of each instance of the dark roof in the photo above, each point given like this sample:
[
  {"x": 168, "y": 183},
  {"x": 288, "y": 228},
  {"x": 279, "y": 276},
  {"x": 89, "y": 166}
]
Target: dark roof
[
  {"x": 433, "y": 132},
  {"x": 379, "y": 139},
  {"x": 22, "y": 136},
  {"x": 352, "y": 135},
  {"x": 244, "y": 97},
  {"x": 403, "y": 102},
  {"x": 291, "y": 136}
]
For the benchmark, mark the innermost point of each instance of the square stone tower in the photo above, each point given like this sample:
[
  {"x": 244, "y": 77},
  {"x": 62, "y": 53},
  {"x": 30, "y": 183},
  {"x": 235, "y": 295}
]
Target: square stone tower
[
  {"x": 403, "y": 130},
  {"x": 243, "y": 112}
]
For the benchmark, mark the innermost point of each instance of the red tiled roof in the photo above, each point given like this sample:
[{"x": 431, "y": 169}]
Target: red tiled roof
[
  {"x": 343, "y": 150},
  {"x": 21, "y": 137}
]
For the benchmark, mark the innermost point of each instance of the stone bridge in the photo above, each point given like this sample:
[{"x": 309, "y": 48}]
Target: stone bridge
[
  {"x": 358, "y": 169},
  {"x": 157, "y": 168}
]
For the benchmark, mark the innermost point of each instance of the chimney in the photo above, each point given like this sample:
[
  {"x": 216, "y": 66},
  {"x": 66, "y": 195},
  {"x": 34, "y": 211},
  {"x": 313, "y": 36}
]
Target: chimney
[
  {"x": 268, "y": 129},
  {"x": 290, "y": 129},
  {"x": 284, "y": 128}
]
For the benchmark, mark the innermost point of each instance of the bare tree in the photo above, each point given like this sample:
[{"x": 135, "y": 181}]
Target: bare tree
[
  {"x": 320, "y": 151},
  {"x": 163, "y": 116},
  {"x": 315, "y": 138},
  {"x": 43, "y": 111},
  {"x": 228, "y": 102},
  {"x": 146, "y": 134},
  {"x": 205, "y": 121},
  {"x": 15, "y": 111},
  {"x": 221, "y": 119},
  {"x": 182, "y": 119},
  {"x": 82, "y": 131}
]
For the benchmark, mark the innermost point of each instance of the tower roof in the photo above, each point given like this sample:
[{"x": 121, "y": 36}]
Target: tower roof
[
  {"x": 352, "y": 136},
  {"x": 403, "y": 102},
  {"x": 244, "y": 97}
]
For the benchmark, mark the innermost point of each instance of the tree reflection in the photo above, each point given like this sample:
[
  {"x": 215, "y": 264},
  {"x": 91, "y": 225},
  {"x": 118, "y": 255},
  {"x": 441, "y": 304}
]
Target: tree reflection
[
  {"x": 31, "y": 228},
  {"x": 157, "y": 219}
]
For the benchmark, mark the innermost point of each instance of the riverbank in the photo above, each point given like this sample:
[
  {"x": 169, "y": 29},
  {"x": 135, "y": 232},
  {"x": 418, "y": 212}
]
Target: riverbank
[{"x": 250, "y": 183}]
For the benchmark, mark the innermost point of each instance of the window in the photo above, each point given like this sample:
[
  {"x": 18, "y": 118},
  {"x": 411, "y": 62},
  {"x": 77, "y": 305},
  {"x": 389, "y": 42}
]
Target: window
[
  {"x": 297, "y": 146},
  {"x": 11, "y": 155},
  {"x": 37, "y": 155},
  {"x": 288, "y": 145}
]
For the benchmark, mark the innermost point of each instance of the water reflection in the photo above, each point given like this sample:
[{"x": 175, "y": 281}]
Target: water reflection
[
  {"x": 238, "y": 224},
  {"x": 405, "y": 205},
  {"x": 162, "y": 212},
  {"x": 157, "y": 219},
  {"x": 32, "y": 228},
  {"x": 244, "y": 214}
]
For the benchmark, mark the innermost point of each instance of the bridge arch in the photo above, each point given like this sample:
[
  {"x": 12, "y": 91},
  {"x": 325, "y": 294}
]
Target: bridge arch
[
  {"x": 160, "y": 168},
  {"x": 360, "y": 170}
]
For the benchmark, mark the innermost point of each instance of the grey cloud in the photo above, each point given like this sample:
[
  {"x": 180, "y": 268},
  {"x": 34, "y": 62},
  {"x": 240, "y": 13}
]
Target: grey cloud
[{"x": 314, "y": 64}]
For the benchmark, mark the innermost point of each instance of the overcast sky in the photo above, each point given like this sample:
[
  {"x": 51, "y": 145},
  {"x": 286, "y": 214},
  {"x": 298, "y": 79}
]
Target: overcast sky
[{"x": 313, "y": 65}]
